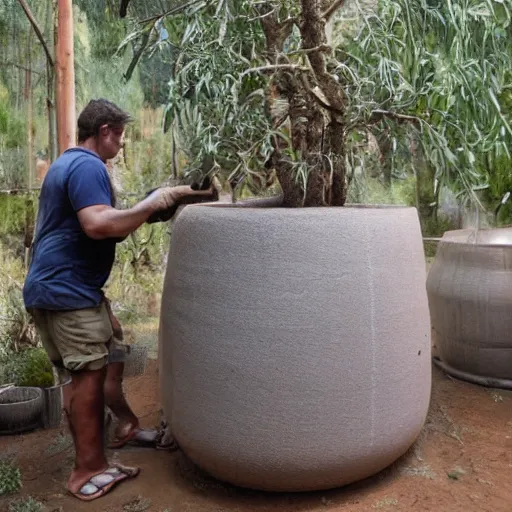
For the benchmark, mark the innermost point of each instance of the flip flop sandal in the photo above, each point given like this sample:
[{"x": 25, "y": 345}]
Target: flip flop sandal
[
  {"x": 165, "y": 441},
  {"x": 136, "y": 437},
  {"x": 99, "y": 485},
  {"x": 172, "y": 446}
]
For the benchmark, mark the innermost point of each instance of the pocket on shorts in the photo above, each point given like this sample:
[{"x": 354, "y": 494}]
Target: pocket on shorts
[
  {"x": 82, "y": 337},
  {"x": 84, "y": 326}
]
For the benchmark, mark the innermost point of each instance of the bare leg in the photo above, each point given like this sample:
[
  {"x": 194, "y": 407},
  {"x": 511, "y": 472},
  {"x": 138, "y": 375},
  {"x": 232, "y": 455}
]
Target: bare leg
[
  {"x": 115, "y": 399},
  {"x": 67, "y": 393},
  {"x": 84, "y": 403}
]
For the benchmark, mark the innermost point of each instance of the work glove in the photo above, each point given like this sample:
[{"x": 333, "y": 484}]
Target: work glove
[{"x": 167, "y": 200}]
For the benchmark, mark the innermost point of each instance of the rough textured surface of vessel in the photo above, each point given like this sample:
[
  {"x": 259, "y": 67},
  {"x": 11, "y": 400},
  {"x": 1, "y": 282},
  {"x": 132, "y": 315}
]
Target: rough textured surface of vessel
[{"x": 295, "y": 343}]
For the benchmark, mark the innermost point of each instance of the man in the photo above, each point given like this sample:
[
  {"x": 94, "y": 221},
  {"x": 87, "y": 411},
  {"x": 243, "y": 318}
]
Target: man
[{"x": 77, "y": 230}]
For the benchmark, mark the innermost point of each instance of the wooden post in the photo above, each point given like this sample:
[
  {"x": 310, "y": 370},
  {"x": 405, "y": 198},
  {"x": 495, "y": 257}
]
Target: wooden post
[
  {"x": 29, "y": 98},
  {"x": 51, "y": 89},
  {"x": 66, "y": 115}
]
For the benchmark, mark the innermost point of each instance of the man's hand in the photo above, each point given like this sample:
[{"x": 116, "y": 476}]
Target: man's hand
[
  {"x": 180, "y": 196},
  {"x": 102, "y": 221},
  {"x": 166, "y": 197}
]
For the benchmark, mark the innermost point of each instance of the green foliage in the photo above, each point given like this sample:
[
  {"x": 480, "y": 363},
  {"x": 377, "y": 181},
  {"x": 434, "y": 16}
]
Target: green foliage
[
  {"x": 500, "y": 183},
  {"x": 436, "y": 227},
  {"x": 14, "y": 326},
  {"x": 216, "y": 111},
  {"x": 12, "y": 140},
  {"x": 28, "y": 368},
  {"x": 368, "y": 190},
  {"x": 16, "y": 329},
  {"x": 12, "y": 214},
  {"x": 139, "y": 270},
  {"x": 13, "y": 164},
  {"x": 108, "y": 32},
  {"x": 60, "y": 443},
  {"x": 445, "y": 64},
  {"x": 101, "y": 76},
  {"x": 10, "y": 478},
  {"x": 26, "y": 505},
  {"x": 103, "y": 31},
  {"x": 215, "y": 114},
  {"x": 19, "y": 52},
  {"x": 13, "y": 127},
  {"x": 147, "y": 154},
  {"x": 430, "y": 80},
  {"x": 104, "y": 79}
]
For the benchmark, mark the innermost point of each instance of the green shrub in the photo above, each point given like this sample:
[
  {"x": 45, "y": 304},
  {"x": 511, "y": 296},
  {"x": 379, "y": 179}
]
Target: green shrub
[
  {"x": 30, "y": 367},
  {"x": 367, "y": 190},
  {"x": 26, "y": 505},
  {"x": 10, "y": 478},
  {"x": 12, "y": 214},
  {"x": 437, "y": 228}
]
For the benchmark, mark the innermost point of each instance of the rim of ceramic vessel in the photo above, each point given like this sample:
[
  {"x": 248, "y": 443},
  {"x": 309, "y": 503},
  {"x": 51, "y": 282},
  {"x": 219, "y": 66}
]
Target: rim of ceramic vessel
[
  {"x": 489, "y": 237},
  {"x": 257, "y": 206}
]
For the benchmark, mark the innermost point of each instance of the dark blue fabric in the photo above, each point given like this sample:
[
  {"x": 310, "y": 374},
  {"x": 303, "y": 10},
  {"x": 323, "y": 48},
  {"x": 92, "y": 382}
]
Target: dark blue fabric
[{"x": 69, "y": 269}]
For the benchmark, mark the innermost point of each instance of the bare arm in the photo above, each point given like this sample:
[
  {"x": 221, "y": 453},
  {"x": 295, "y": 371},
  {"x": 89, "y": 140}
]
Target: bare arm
[{"x": 102, "y": 221}]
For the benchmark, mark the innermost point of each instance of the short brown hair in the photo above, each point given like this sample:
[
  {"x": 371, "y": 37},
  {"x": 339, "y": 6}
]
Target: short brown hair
[{"x": 98, "y": 113}]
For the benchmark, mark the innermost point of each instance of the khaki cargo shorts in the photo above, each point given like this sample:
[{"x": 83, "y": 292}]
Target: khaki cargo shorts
[{"x": 79, "y": 340}]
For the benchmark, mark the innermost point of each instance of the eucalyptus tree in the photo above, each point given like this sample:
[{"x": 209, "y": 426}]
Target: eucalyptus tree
[{"x": 258, "y": 87}]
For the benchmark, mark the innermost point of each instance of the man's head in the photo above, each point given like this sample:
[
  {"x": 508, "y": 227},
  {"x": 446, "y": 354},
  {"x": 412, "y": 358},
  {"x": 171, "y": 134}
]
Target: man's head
[{"x": 101, "y": 127}]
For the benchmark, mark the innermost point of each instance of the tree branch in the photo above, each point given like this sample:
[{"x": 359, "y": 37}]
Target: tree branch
[
  {"x": 174, "y": 10},
  {"x": 313, "y": 36},
  {"x": 123, "y": 8},
  {"x": 19, "y": 66},
  {"x": 325, "y": 48},
  {"x": 337, "y": 4},
  {"x": 378, "y": 115},
  {"x": 274, "y": 67},
  {"x": 37, "y": 30},
  {"x": 276, "y": 32}
]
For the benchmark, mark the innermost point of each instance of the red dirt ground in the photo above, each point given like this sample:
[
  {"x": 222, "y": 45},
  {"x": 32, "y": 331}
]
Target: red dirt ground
[{"x": 462, "y": 462}]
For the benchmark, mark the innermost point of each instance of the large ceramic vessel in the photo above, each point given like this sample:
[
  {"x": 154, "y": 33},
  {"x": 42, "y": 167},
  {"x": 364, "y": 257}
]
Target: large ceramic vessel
[
  {"x": 470, "y": 295},
  {"x": 295, "y": 343}
]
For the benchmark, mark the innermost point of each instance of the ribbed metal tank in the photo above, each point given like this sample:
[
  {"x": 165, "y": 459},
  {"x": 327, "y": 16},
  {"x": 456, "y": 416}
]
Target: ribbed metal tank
[{"x": 470, "y": 296}]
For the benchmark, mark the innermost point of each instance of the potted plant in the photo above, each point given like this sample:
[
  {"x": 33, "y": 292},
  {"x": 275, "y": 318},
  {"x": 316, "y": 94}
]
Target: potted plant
[
  {"x": 30, "y": 368},
  {"x": 23, "y": 365},
  {"x": 273, "y": 376},
  {"x": 295, "y": 339}
]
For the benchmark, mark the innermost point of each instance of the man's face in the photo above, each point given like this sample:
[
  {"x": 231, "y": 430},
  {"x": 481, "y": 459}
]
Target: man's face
[{"x": 110, "y": 141}]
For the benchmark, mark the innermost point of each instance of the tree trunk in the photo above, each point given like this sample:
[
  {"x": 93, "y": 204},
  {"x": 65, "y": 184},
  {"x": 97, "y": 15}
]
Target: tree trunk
[
  {"x": 66, "y": 115},
  {"x": 315, "y": 176},
  {"x": 29, "y": 98},
  {"x": 53, "y": 144},
  {"x": 386, "y": 148},
  {"x": 425, "y": 186}
]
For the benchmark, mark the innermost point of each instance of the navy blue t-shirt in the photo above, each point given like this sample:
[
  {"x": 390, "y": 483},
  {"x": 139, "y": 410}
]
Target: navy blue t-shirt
[{"x": 69, "y": 269}]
